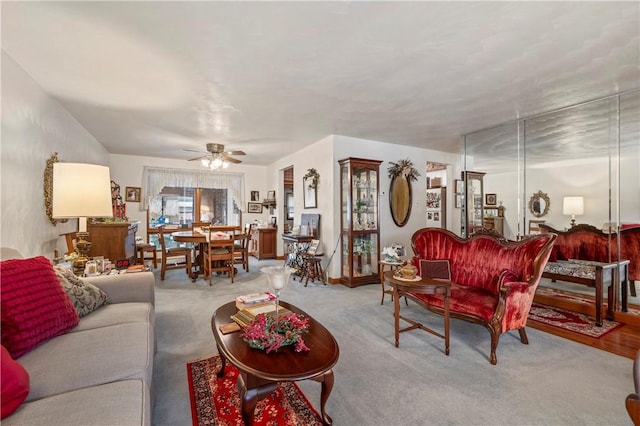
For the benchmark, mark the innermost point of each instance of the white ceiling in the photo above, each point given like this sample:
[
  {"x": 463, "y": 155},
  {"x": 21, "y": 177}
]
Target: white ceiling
[{"x": 152, "y": 78}]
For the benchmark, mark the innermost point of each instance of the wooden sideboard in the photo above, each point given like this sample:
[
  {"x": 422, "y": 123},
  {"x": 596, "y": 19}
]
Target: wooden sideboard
[
  {"x": 114, "y": 241},
  {"x": 263, "y": 242}
]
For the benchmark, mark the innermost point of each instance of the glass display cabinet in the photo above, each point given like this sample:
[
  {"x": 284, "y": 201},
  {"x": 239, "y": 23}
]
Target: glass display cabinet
[
  {"x": 472, "y": 208},
  {"x": 359, "y": 188}
]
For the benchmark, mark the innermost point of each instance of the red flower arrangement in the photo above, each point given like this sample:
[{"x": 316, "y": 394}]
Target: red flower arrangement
[{"x": 267, "y": 334}]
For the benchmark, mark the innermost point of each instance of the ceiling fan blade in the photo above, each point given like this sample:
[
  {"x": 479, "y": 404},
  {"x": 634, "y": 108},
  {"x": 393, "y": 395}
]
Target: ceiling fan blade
[
  {"x": 231, "y": 159},
  {"x": 198, "y": 158},
  {"x": 235, "y": 153},
  {"x": 194, "y": 150}
]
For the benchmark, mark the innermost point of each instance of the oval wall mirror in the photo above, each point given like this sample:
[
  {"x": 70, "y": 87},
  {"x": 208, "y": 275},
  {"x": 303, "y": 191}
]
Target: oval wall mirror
[
  {"x": 539, "y": 204},
  {"x": 400, "y": 199}
]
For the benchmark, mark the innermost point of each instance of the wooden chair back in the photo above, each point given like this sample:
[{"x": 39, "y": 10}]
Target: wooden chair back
[
  {"x": 174, "y": 257},
  {"x": 219, "y": 256}
]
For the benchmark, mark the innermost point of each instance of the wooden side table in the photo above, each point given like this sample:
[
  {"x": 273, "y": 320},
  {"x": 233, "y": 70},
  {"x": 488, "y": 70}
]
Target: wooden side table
[
  {"x": 391, "y": 266},
  {"x": 420, "y": 286}
]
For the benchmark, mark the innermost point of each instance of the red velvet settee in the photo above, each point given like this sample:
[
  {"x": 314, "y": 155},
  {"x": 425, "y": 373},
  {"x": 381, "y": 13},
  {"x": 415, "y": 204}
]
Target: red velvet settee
[
  {"x": 493, "y": 281},
  {"x": 587, "y": 242}
]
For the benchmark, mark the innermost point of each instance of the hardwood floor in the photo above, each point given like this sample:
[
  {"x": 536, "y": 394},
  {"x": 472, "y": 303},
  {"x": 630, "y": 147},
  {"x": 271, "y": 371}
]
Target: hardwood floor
[{"x": 623, "y": 341}]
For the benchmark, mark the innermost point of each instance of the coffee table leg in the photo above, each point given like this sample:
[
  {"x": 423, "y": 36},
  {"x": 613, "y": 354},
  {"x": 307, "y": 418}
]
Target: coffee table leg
[
  {"x": 224, "y": 363},
  {"x": 251, "y": 390},
  {"x": 446, "y": 320},
  {"x": 326, "y": 379}
]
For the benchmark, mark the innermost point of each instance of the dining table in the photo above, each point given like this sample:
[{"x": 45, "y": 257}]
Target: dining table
[{"x": 200, "y": 239}]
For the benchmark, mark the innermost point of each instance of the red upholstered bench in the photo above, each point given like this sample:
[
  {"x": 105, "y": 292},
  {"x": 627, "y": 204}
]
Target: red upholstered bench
[{"x": 493, "y": 281}]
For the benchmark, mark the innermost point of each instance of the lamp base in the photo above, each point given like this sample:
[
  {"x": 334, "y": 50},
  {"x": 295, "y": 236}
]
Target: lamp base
[{"x": 82, "y": 248}]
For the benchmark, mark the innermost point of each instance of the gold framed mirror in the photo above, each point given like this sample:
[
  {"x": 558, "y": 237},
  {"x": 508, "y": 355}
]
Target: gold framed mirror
[
  {"x": 400, "y": 199},
  {"x": 539, "y": 204},
  {"x": 48, "y": 189}
]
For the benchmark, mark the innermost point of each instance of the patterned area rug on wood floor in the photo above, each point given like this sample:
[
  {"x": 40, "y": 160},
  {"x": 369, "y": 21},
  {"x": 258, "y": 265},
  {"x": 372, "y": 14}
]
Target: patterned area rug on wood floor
[
  {"x": 215, "y": 401},
  {"x": 572, "y": 321}
]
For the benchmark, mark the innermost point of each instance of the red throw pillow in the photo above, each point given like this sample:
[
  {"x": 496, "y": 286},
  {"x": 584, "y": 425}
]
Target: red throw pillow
[
  {"x": 435, "y": 269},
  {"x": 34, "y": 305},
  {"x": 15, "y": 383}
]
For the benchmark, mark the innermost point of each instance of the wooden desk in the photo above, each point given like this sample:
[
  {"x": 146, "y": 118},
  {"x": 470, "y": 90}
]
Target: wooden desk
[
  {"x": 294, "y": 248},
  {"x": 260, "y": 372},
  {"x": 114, "y": 241}
]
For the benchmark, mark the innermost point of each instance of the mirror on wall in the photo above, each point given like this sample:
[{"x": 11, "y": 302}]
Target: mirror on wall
[
  {"x": 588, "y": 150},
  {"x": 539, "y": 204}
]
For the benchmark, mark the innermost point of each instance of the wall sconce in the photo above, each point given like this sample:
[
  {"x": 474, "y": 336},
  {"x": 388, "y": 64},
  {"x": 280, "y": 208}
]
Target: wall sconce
[
  {"x": 573, "y": 206},
  {"x": 81, "y": 191}
]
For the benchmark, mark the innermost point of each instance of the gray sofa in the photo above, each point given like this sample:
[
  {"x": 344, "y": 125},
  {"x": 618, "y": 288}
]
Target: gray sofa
[{"x": 100, "y": 373}]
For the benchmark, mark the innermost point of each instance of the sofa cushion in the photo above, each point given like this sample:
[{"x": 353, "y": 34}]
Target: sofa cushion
[
  {"x": 118, "y": 313},
  {"x": 465, "y": 299},
  {"x": 89, "y": 358},
  {"x": 15, "y": 383},
  {"x": 34, "y": 306},
  {"x": 125, "y": 402},
  {"x": 85, "y": 297}
]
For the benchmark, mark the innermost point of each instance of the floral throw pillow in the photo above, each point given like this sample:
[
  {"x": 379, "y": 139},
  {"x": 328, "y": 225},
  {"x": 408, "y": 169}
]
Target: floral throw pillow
[{"x": 85, "y": 297}]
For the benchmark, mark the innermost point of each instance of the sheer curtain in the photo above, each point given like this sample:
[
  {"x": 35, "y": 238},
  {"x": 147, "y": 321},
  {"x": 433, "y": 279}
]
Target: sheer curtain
[{"x": 156, "y": 178}]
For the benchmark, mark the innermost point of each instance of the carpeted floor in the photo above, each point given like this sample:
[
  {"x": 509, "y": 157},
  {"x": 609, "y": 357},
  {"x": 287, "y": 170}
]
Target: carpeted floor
[{"x": 551, "y": 381}]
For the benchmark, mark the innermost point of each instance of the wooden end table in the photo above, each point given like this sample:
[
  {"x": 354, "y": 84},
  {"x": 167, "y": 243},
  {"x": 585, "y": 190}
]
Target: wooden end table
[
  {"x": 409, "y": 289},
  {"x": 260, "y": 372},
  {"x": 392, "y": 266}
]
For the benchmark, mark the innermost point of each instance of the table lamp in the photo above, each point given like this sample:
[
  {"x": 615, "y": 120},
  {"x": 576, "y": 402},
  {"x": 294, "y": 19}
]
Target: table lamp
[
  {"x": 573, "y": 206},
  {"x": 81, "y": 191}
]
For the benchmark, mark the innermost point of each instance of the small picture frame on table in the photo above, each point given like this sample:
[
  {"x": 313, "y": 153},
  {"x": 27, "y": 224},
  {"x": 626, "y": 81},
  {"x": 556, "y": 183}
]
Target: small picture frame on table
[
  {"x": 491, "y": 199},
  {"x": 254, "y": 207},
  {"x": 132, "y": 194},
  {"x": 271, "y": 195}
]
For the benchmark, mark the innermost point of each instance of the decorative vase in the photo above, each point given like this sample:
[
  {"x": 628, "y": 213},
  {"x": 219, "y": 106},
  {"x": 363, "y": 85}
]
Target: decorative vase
[{"x": 278, "y": 278}]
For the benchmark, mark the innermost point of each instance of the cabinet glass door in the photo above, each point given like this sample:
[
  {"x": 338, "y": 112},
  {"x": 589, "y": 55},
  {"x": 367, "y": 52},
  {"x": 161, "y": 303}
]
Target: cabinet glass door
[{"x": 365, "y": 200}]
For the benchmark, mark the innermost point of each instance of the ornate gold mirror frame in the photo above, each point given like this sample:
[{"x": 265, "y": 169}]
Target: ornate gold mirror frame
[
  {"x": 48, "y": 189},
  {"x": 539, "y": 204}
]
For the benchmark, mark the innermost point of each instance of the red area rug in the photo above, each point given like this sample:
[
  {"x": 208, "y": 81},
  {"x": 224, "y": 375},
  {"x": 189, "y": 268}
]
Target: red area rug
[
  {"x": 215, "y": 401},
  {"x": 572, "y": 321}
]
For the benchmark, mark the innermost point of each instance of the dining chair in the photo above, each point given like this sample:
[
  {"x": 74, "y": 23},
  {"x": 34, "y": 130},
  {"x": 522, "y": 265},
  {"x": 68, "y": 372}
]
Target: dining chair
[
  {"x": 219, "y": 256},
  {"x": 241, "y": 248},
  {"x": 173, "y": 257}
]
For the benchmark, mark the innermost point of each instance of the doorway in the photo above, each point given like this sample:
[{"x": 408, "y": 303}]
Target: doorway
[
  {"x": 436, "y": 195},
  {"x": 288, "y": 198}
]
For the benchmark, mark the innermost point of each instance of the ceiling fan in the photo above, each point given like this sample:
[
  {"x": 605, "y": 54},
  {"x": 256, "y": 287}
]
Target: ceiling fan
[{"x": 217, "y": 157}]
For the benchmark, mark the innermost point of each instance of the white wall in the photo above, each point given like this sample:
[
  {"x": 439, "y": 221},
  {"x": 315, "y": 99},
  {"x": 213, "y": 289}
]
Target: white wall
[
  {"x": 324, "y": 156},
  {"x": 587, "y": 178},
  {"x": 34, "y": 126}
]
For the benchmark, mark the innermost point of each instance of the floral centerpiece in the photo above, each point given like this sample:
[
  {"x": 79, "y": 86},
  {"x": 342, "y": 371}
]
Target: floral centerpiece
[{"x": 270, "y": 334}]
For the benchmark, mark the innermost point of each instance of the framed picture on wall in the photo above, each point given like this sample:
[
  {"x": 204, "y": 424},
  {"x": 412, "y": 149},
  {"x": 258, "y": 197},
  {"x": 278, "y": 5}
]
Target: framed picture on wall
[
  {"x": 309, "y": 194},
  {"x": 132, "y": 194},
  {"x": 254, "y": 207},
  {"x": 491, "y": 199},
  {"x": 459, "y": 186},
  {"x": 255, "y": 195}
]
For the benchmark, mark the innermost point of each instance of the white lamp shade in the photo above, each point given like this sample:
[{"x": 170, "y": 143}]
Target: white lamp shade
[
  {"x": 81, "y": 190},
  {"x": 573, "y": 205}
]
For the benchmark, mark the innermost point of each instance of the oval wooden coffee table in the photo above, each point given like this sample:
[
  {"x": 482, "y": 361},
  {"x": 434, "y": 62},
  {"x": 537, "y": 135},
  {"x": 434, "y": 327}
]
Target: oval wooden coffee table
[{"x": 260, "y": 372}]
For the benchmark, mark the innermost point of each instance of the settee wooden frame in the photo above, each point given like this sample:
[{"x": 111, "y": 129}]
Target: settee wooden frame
[{"x": 497, "y": 319}]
